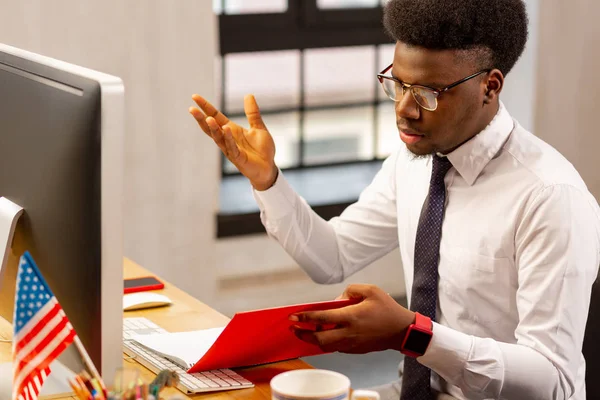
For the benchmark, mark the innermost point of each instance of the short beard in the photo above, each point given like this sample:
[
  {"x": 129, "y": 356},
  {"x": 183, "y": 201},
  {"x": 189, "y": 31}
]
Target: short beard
[{"x": 415, "y": 157}]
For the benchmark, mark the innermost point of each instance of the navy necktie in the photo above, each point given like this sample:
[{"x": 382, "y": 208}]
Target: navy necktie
[{"x": 416, "y": 378}]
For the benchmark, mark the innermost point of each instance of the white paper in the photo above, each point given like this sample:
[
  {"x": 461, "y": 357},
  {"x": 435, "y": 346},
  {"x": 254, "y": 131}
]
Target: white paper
[{"x": 183, "y": 348}]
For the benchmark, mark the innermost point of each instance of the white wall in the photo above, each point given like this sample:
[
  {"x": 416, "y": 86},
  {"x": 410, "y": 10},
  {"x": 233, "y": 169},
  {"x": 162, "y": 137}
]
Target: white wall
[
  {"x": 255, "y": 272},
  {"x": 164, "y": 52},
  {"x": 519, "y": 92},
  {"x": 568, "y": 84}
]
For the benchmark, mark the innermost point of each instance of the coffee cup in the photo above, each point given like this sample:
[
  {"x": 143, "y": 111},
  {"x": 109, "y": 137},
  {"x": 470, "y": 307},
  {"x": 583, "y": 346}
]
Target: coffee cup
[{"x": 316, "y": 384}]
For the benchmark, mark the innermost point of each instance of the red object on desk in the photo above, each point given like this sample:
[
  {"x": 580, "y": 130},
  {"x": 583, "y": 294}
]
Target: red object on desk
[
  {"x": 262, "y": 336},
  {"x": 143, "y": 284}
]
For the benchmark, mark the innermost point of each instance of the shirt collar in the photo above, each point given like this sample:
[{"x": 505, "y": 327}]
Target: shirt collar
[{"x": 471, "y": 157}]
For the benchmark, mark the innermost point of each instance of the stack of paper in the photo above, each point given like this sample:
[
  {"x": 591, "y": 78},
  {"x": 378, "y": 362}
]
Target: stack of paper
[{"x": 183, "y": 348}]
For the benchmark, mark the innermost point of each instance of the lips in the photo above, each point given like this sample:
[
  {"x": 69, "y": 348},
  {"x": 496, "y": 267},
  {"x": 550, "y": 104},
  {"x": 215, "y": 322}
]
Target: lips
[
  {"x": 409, "y": 131},
  {"x": 409, "y": 136}
]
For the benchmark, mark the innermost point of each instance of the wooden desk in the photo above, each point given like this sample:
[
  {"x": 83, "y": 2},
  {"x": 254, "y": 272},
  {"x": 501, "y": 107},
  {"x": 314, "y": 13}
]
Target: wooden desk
[{"x": 186, "y": 313}]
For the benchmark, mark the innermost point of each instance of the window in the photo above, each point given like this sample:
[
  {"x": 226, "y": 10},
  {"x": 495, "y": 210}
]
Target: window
[{"x": 312, "y": 66}]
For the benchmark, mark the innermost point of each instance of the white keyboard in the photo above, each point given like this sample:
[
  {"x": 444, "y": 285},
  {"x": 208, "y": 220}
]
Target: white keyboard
[{"x": 208, "y": 381}]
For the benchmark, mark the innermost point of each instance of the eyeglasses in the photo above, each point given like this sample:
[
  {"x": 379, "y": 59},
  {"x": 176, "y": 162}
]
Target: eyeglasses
[{"x": 425, "y": 96}]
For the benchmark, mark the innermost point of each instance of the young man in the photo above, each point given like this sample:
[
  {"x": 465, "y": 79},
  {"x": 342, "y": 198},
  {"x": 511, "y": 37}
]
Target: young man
[{"x": 499, "y": 236}]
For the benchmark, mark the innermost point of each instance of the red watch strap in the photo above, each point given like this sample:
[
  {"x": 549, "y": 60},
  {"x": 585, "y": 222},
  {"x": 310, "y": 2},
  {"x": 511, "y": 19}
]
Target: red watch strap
[
  {"x": 423, "y": 321},
  {"x": 422, "y": 324}
]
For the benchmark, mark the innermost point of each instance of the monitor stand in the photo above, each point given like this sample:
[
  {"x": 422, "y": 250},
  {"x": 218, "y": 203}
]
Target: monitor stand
[{"x": 56, "y": 384}]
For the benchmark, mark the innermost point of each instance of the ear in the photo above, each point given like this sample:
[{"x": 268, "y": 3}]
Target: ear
[{"x": 493, "y": 86}]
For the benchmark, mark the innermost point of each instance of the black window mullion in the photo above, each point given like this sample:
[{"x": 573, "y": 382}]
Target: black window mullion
[
  {"x": 341, "y": 18},
  {"x": 222, "y": 100},
  {"x": 285, "y": 110},
  {"x": 302, "y": 26},
  {"x": 376, "y": 105},
  {"x": 302, "y": 109}
]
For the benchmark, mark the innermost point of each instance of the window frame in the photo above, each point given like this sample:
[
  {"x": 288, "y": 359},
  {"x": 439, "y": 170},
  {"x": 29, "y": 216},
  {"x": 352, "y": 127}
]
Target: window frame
[{"x": 302, "y": 26}]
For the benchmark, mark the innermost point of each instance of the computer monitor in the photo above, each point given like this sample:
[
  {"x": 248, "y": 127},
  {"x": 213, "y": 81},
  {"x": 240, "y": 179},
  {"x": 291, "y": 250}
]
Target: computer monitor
[{"x": 61, "y": 159}]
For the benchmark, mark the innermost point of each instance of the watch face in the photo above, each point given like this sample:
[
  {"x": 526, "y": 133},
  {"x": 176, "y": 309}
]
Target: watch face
[{"x": 417, "y": 341}]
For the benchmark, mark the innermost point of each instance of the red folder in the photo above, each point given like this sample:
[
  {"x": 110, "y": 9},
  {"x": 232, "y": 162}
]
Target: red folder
[{"x": 262, "y": 336}]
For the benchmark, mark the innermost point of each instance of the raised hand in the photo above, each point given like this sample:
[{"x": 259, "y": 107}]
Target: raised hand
[{"x": 252, "y": 150}]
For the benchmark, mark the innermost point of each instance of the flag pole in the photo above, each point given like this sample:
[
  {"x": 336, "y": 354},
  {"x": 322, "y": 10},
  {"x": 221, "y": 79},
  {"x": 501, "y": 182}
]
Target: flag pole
[{"x": 88, "y": 361}]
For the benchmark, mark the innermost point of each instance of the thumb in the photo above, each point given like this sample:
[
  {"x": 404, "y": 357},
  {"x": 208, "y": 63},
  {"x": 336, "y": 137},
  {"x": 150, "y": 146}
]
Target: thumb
[
  {"x": 253, "y": 113},
  {"x": 357, "y": 291}
]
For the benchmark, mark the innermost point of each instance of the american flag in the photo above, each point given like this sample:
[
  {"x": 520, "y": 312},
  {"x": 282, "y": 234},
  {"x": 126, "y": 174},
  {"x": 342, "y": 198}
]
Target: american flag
[{"x": 41, "y": 331}]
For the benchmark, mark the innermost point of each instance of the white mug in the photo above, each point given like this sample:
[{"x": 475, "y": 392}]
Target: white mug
[{"x": 315, "y": 384}]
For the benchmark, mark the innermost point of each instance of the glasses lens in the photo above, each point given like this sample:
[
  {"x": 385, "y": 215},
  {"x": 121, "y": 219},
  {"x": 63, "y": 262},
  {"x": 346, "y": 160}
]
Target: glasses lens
[
  {"x": 392, "y": 89},
  {"x": 425, "y": 97}
]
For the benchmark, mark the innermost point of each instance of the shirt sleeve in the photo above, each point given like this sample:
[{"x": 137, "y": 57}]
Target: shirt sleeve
[
  {"x": 330, "y": 251},
  {"x": 557, "y": 258}
]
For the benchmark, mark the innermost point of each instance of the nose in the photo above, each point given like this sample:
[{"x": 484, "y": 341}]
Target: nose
[{"x": 407, "y": 107}]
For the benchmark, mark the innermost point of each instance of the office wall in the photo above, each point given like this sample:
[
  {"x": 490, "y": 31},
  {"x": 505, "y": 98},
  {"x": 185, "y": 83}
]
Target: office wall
[
  {"x": 164, "y": 52},
  {"x": 519, "y": 92},
  {"x": 568, "y": 84}
]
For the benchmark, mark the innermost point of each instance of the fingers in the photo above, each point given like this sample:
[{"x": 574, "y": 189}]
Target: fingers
[
  {"x": 233, "y": 152},
  {"x": 200, "y": 119},
  {"x": 330, "y": 340},
  {"x": 359, "y": 291},
  {"x": 210, "y": 110},
  {"x": 253, "y": 113},
  {"x": 339, "y": 316},
  {"x": 216, "y": 133}
]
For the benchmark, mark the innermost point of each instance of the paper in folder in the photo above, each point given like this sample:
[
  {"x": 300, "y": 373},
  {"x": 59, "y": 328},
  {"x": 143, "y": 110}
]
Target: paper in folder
[{"x": 250, "y": 338}]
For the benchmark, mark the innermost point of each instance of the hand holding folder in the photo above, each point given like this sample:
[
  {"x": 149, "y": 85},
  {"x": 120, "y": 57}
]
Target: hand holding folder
[{"x": 250, "y": 338}]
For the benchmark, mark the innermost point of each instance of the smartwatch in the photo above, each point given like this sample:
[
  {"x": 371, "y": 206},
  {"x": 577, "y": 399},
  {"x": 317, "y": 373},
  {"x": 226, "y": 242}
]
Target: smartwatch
[{"x": 417, "y": 337}]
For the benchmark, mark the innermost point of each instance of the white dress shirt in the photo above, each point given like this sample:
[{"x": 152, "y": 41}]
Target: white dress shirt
[{"x": 519, "y": 252}]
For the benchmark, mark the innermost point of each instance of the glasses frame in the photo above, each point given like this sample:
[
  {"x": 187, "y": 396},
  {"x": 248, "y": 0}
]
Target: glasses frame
[{"x": 437, "y": 91}]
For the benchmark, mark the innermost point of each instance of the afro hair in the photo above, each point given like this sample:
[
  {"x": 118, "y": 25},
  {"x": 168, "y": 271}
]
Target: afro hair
[{"x": 495, "y": 29}]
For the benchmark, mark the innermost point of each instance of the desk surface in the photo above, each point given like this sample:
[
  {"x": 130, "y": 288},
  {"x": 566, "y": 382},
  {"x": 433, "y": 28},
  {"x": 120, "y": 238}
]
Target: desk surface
[{"x": 186, "y": 313}]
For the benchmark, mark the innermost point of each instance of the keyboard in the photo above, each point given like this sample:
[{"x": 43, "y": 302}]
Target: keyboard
[{"x": 198, "y": 382}]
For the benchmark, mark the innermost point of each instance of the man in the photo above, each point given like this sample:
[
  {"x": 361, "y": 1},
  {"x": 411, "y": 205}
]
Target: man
[{"x": 499, "y": 236}]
